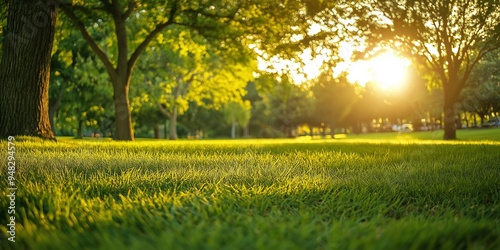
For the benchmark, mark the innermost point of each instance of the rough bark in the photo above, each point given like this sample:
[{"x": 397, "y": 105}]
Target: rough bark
[
  {"x": 25, "y": 69},
  {"x": 123, "y": 120}
]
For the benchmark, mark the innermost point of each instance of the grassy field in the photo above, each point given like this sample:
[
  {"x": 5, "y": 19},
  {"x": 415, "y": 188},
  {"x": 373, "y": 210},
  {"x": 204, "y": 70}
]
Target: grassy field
[{"x": 363, "y": 192}]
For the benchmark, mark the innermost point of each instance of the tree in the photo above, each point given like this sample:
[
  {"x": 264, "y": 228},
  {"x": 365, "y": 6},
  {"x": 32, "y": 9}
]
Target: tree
[
  {"x": 237, "y": 113},
  {"x": 120, "y": 62},
  {"x": 191, "y": 71},
  {"x": 334, "y": 100},
  {"x": 286, "y": 106},
  {"x": 25, "y": 69},
  {"x": 446, "y": 38},
  {"x": 230, "y": 26},
  {"x": 482, "y": 93}
]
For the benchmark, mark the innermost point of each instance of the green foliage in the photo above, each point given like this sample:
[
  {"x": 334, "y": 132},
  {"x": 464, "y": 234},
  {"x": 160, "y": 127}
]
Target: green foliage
[
  {"x": 287, "y": 106},
  {"x": 447, "y": 38},
  {"x": 181, "y": 70},
  {"x": 255, "y": 194},
  {"x": 237, "y": 112},
  {"x": 79, "y": 81},
  {"x": 482, "y": 94},
  {"x": 334, "y": 98}
]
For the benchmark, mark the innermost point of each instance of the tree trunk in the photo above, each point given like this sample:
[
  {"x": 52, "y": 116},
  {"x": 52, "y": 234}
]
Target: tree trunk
[
  {"x": 332, "y": 131},
  {"x": 25, "y": 69},
  {"x": 157, "y": 131},
  {"x": 450, "y": 132},
  {"x": 481, "y": 118},
  {"x": 246, "y": 131},
  {"x": 165, "y": 129},
  {"x": 173, "y": 125},
  {"x": 79, "y": 131},
  {"x": 233, "y": 130},
  {"x": 123, "y": 119}
]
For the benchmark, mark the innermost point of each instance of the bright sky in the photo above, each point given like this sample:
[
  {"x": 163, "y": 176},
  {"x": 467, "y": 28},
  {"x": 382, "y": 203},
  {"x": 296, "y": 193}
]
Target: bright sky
[{"x": 386, "y": 69}]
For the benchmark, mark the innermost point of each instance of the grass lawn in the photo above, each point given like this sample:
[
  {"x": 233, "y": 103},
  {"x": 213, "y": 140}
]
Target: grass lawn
[{"x": 384, "y": 191}]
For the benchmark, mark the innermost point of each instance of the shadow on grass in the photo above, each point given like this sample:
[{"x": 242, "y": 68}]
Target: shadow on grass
[{"x": 244, "y": 214}]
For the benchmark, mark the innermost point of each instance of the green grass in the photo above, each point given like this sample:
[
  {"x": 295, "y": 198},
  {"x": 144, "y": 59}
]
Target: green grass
[
  {"x": 490, "y": 134},
  {"x": 256, "y": 194}
]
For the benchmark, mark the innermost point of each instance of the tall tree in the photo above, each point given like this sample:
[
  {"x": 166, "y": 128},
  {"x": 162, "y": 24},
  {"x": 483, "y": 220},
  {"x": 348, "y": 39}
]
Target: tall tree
[
  {"x": 176, "y": 75},
  {"x": 287, "y": 106},
  {"x": 482, "y": 94},
  {"x": 237, "y": 113},
  {"x": 446, "y": 38},
  {"x": 228, "y": 24},
  {"x": 334, "y": 100},
  {"x": 25, "y": 69}
]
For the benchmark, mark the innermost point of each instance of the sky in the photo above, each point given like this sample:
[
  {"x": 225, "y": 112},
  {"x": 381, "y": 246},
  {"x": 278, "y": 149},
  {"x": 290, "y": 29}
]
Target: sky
[{"x": 386, "y": 69}]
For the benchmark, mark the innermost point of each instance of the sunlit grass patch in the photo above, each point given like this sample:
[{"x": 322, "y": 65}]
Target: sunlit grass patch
[{"x": 257, "y": 194}]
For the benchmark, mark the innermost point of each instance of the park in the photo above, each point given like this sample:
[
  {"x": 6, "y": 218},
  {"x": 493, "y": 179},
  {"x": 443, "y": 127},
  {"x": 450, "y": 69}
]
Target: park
[{"x": 213, "y": 124}]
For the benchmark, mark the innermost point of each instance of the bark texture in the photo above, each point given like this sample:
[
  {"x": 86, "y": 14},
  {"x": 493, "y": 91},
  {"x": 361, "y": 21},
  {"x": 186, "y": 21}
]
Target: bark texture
[{"x": 25, "y": 69}]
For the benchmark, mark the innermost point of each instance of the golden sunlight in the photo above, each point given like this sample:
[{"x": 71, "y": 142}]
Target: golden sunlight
[{"x": 386, "y": 70}]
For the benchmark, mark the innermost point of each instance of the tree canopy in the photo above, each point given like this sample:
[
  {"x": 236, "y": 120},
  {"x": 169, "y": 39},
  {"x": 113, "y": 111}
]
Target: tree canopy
[
  {"x": 445, "y": 38},
  {"x": 122, "y": 67}
]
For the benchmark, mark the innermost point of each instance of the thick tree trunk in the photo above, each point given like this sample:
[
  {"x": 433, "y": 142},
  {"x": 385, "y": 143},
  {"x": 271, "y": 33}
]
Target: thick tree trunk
[
  {"x": 25, "y": 69},
  {"x": 123, "y": 119},
  {"x": 450, "y": 132},
  {"x": 173, "y": 125}
]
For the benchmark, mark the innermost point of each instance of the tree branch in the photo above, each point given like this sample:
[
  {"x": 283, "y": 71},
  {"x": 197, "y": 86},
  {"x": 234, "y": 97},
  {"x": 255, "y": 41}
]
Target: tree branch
[
  {"x": 164, "y": 111},
  {"x": 91, "y": 42},
  {"x": 132, "y": 5},
  {"x": 107, "y": 5},
  {"x": 138, "y": 51}
]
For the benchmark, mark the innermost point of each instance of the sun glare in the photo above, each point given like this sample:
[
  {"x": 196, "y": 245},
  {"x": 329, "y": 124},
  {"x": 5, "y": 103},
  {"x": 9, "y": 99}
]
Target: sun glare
[
  {"x": 386, "y": 70},
  {"x": 389, "y": 71}
]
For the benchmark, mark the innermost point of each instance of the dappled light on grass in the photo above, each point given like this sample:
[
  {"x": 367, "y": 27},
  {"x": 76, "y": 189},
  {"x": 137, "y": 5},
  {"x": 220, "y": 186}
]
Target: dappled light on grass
[{"x": 258, "y": 194}]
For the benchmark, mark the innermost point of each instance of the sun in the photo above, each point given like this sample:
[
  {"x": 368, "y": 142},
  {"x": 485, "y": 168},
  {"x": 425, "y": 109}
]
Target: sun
[{"x": 387, "y": 70}]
